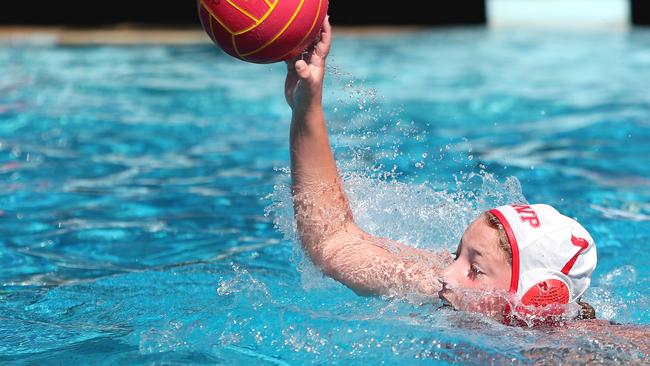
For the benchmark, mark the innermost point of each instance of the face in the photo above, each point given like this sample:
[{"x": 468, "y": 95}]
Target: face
[{"x": 479, "y": 278}]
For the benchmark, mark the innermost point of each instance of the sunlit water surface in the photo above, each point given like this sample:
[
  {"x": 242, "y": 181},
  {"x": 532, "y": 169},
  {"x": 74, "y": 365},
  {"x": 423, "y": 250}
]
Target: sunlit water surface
[{"x": 145, "y": 215}]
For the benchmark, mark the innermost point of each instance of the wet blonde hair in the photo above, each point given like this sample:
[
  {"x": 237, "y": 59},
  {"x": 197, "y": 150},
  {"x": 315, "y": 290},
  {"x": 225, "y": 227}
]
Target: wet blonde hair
[{"x": 504, "y": 243}]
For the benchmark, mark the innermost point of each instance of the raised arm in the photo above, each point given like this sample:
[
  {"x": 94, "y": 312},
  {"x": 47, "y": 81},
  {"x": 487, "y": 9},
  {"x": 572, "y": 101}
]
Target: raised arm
[{"x": 369, "y": 265}]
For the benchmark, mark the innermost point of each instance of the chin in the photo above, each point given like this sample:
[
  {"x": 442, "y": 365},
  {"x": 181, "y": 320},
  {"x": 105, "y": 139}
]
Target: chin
[
  {"x": 448, "y": 299},
  {"x": 481, "y": 302}
]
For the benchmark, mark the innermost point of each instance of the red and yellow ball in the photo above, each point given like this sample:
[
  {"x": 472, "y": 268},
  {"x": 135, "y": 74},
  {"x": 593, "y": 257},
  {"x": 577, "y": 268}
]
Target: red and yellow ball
[{"x": 262, "y": 31}]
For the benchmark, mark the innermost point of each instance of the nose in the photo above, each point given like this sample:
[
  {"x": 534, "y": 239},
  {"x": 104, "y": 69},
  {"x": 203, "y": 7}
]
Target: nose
[{"x": 447, "y": 276}]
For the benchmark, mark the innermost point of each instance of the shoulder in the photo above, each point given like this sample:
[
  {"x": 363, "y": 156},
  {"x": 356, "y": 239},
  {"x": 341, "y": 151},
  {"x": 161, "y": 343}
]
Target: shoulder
[{"x": 605, "y": 329}]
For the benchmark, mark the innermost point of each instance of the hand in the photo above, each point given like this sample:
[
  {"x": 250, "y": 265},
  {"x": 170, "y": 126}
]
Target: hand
[{"x": 303, "y": 87}]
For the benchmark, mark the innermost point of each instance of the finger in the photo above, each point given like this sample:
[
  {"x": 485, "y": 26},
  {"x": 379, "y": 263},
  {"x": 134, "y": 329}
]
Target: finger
[
  {"x": 322, "y": 48},
  {"x": 292, "y": 77},
  {"x": 326, "y": 33}
]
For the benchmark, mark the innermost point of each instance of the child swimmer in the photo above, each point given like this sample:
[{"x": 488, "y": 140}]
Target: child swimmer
[{"x": 521, "y": 264}]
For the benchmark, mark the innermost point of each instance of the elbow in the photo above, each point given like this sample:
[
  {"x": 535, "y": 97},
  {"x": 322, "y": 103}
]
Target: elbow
[
  {"x": 327, "y": 251},
  {"x": 317, "y": 254},
  {"x": 346, "y": 263},
  {"x": 323, "y": 242}
]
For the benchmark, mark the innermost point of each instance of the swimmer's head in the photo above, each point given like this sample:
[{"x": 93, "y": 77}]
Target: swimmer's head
[{"x": 527, "y": 258}]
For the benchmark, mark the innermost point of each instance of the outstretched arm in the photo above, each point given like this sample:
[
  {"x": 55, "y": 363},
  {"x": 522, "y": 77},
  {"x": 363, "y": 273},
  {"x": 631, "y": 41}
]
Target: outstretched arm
[{"x": 369, "y": 265}]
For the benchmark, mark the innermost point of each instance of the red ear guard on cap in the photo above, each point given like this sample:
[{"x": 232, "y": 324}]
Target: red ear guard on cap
[
  {"x": 545, "y": 293},
  {"x": 542, "y": 304}
]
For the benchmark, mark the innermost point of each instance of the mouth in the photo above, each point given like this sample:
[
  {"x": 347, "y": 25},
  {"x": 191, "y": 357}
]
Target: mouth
[{"x": 446, "y": 303}]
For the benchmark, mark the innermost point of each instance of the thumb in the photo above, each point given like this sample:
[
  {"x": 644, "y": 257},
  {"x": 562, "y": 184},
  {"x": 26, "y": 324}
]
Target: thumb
[{"x": 303, "y": 70}]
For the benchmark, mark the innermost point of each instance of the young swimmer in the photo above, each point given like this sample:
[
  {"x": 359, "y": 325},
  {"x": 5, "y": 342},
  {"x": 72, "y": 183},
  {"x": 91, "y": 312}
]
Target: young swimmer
[{"x": 523, "y": 260}]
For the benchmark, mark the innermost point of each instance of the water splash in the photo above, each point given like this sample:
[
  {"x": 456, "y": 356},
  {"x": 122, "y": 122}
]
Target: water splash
[
  {"x": 615, "y": 297},
  {"x": 418, "y": 215},
  {"x": 255, "y": 291}
]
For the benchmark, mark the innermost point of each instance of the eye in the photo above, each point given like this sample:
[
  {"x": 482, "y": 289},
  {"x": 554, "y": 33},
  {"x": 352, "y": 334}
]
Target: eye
[{"x": 474, "y": 271}]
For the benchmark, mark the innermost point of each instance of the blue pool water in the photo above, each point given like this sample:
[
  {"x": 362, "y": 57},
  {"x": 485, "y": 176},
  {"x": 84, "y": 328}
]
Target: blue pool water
[{"x": 145, "y": 216}]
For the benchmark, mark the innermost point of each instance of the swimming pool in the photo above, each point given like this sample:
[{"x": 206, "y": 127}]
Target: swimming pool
[{"x": 146, "y": 217}]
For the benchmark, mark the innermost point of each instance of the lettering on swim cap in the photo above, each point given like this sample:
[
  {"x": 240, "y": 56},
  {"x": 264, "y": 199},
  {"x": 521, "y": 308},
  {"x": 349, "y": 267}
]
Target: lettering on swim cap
[{"x": 527, "y": 214}]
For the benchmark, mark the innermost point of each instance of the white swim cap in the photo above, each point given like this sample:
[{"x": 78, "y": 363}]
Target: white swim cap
[{"x": 553, "y": 256}]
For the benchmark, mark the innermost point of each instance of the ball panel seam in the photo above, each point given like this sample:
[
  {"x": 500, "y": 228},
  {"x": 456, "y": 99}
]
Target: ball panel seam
[
  {"x": 262, "y": 19},
  {"x": 243, "y": 11},
  {"x": 293, "y": 17},
  {"x": 216, "y": 17},
  {"x": 320, "y": 2},
  {"x": 256, "y": 21}
]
